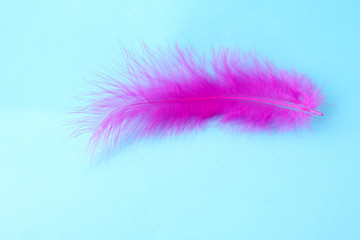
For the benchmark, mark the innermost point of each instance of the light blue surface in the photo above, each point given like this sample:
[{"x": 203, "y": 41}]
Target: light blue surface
[{"x": 213, "y": 185}]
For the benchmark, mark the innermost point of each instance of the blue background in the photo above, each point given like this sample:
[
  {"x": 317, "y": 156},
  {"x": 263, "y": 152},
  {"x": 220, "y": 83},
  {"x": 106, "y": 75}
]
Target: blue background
[{"x": 210, "y": 185}]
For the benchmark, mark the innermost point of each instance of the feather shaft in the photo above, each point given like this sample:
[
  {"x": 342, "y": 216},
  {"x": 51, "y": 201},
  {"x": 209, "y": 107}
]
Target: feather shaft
[{"x": 260, "y": 100}]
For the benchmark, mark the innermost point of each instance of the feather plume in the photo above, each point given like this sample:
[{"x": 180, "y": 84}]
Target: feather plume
[{"x": 166, "y": 92}]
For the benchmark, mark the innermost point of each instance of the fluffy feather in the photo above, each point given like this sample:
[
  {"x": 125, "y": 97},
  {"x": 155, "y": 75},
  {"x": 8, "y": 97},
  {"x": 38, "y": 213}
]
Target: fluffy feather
[{"x": 166, "y": 92}]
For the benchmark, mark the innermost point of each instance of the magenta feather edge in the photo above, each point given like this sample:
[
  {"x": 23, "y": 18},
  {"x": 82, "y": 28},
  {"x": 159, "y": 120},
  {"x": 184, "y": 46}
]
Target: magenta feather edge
[{"x": 166, "y": 92}]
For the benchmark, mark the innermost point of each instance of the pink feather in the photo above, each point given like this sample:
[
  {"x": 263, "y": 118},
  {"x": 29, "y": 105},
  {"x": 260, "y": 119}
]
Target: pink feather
[{"x": 174, "y": 91}]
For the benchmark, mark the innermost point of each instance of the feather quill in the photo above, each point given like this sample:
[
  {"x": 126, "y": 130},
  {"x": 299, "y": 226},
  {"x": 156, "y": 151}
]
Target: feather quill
[{"x": 166, "y": 92}]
